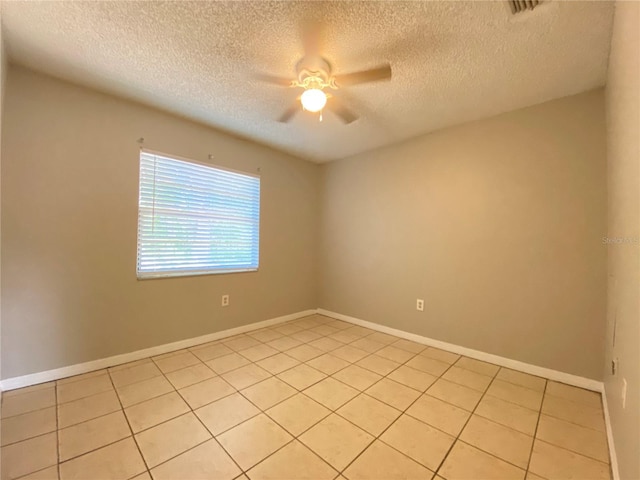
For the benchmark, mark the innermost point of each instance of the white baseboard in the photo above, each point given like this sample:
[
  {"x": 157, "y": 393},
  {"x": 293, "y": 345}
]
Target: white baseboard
[
  {"x": 556, "y": 375},
  {"x": 567, "y": 378},
  {"x": 612, "y": 447},
  {"x": 71, "y": 370}
]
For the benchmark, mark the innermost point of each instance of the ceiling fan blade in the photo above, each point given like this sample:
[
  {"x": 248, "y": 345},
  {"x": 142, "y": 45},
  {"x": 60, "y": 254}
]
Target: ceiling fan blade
[
  {"x": 288, "y": 115},
  {"x": 311, "y": 38},
  {"x": 346, "y": 115},
  {"x": 382, "y": 72},
  {"x": 273, "y": 79}
]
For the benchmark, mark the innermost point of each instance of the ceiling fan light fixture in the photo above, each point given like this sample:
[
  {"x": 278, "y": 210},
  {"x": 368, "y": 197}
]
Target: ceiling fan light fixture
[{"x": 313, "y": 99}]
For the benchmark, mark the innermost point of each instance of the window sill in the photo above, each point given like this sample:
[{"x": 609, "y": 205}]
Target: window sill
[{"x": 155, "y": 276}]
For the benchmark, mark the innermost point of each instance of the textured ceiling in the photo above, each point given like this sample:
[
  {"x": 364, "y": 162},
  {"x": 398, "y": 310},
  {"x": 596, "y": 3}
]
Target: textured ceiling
[{"x": 452, "y": 61}]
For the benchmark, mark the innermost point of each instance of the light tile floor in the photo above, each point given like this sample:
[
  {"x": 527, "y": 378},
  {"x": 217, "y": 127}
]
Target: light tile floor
[{"x": 315, "y": 398}]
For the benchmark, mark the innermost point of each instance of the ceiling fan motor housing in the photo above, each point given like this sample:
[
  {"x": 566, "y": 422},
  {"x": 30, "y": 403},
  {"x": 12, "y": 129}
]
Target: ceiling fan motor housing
[{"x": 313, "y": 66}]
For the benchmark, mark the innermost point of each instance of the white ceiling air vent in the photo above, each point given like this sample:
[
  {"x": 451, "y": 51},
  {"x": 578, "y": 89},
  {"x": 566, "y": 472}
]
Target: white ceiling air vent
[{"x": 518, "y": 6}]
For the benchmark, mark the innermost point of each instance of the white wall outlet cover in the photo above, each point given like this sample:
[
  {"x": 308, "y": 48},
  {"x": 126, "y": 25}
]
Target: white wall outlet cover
[
  {"x": 225, "y": 300},
  {"x": 420, "y": 305}
]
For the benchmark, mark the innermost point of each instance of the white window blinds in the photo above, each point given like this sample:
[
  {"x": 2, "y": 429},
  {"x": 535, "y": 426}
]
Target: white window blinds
[{"x": 195, "y": 219}]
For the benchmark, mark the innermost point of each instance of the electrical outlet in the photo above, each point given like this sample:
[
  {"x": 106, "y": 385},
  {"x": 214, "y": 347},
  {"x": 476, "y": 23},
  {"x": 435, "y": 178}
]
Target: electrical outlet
[
  {"x": 614, "y": 366},
  {"x": 420, "y": 305},
  {"x": 624, "y": 392},
  {"x": 225, "y": 300}
]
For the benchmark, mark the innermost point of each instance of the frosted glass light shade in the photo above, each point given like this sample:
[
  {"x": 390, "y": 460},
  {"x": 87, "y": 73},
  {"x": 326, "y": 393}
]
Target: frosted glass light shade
[{"x": 313, "y": 100}]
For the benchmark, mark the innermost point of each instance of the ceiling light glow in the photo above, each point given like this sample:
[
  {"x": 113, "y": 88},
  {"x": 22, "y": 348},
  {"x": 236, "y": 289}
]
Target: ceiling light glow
[{"x": 313, "y": 100}]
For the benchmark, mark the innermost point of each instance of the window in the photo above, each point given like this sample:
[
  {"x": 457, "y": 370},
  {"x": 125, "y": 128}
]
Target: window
[{"x": 195, "y": 219}]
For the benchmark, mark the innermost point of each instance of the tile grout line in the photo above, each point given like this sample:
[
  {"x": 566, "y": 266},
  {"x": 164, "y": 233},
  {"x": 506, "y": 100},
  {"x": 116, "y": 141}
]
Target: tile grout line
[
  {"x": 545, "y": 394},
  {"x": 276, "y": 374},
  {"x": 492, "y": 454},
  {"x": 57, "y": 430},
  {"x": 147, "y": 360},
  {"x": 144, "y": 460},
  {"x": 402, "y": 364},
  {"x": 214, "y": 437},
  {"x": 533, "y": 437},
  {"x": 363, "y": 391},
  {"x": 298, "y": 392},
  {"x": 294, "y": 437},
  {"x": 21, "y": 477},
  {"x": 535, "y": 431},
  {"x": 402, "y": 412},
  {"x": 337, "y": 413},
  {"x": 569, "y": 421},
  {"x": 351, "y": 363},
  {"x": 237, "y": 391},
  {"x": 83, "y": 454},
  {"x": 176, "y": 390},
  {"x": 187, "y": 350},
  {"x": 354, "y": 363},
  {"x": 539, "y": 412},
  {"x": 457, "y": 437},
  {"x": 192, "y": 411},
  {"x": 263, "y": 412},
  {"x": 272, "y": 375},
  {"x": 41, "y": 434},
  {"x": 189, "y": 449}
]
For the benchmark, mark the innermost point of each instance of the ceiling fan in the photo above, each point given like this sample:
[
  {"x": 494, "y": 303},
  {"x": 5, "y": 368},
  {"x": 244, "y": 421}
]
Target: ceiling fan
[{"x": 315, "y": 76}]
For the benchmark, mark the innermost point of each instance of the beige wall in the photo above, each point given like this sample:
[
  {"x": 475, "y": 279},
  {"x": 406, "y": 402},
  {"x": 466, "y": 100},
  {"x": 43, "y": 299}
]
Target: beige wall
[
  {"x": 3, "y": 75},
  {"x": 497, "y": 224},
  {"x": 69, "y": 216},
  {"x": 623, "y": 313}
]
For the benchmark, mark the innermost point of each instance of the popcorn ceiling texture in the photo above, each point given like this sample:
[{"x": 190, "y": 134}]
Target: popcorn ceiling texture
[{"x": 452, "y": 61}]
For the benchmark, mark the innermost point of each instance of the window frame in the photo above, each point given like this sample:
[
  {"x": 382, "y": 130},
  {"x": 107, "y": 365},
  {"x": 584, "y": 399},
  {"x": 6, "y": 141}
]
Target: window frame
[{"x": 193, "y": 273}]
